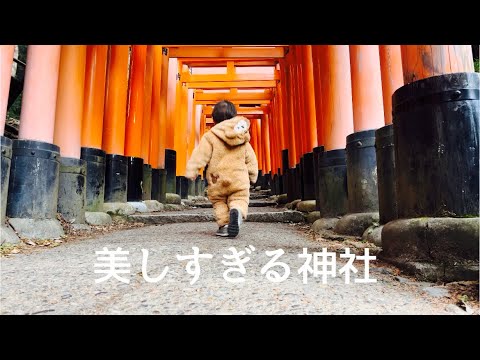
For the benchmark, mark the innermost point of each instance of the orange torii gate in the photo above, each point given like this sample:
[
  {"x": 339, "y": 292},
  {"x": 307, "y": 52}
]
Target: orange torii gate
[
  {"x": 348, "y": 127},
  {"x": 238, "y": 98},
  {"x": 211, "y": 81}
]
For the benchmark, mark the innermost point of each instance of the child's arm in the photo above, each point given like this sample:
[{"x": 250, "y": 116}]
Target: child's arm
[
  {"x": 200, "y": 157},
  {"x": 252, "y": 163}
]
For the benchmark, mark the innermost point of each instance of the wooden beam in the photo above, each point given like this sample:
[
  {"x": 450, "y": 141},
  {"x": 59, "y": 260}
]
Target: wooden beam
[
  {"x": 233, "y": 84},
  {"x": 256, "y": 98},
  {"x": 217, "y": 96},
  {"x": 227, "y": 52},
  {"x": 261, "y": 46},
  {"x": 236, "y": 102},
  {"x": 189, "y": 78},
  {"x": 240, "y": 111},
  {"x": 248, "y": 116},
  {"x": 219, "y": 62}
]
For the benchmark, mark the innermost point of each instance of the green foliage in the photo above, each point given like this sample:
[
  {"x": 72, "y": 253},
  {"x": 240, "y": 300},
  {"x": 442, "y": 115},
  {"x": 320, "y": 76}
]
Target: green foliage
[
  {"x": 22, "y": 53},
  {"x": 476, "y": 63},
  {"x": 14, "y": 111}
]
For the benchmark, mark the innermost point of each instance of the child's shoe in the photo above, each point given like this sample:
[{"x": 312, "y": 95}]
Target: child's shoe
[
  {"x": 235, "y": 222},
  {"x": 222, "y": 231}
]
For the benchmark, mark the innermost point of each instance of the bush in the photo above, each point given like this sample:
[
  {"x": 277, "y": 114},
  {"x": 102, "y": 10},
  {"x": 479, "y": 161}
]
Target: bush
[{"x": 14, "y": 111}]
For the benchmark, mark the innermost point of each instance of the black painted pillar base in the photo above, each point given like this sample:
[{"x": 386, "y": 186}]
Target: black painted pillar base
[
  {"x": 71, "y": 189},
  {"x": 34, "y": 179},
  {"x": 259, "y": 178},
  {"x": 116, "y": 174},
  {"x": 285, "y": 173},
  {"x": 203, "y": 185},
  {"x": 190, "y": 187},
  {"x": 274, "y": 184},
  {"x": 178, "y": 185},
  {"x": 317, "y": 153},
  {"x": 361, "y": 185},
  {"x": 332, "y": 184},
  {"x": 182, "y": 187},
  {"x": 302, "y": 189},
  {"x": 95, "y": 178},
  {"x": 436, "y": 147},
  {"x": 280, "y": 183},
  {"x": 308, "y": 177},
  {"x": 292, "y": 187},
  {"x": 135, "y": 178},
  {"x": 159, "y": 184},
  {"x": 33, "y": 191},
  {"x": 387, "y": 198},
  {"x": 362, "y": 172},
  {"x": 285, "y": 163},
  {"x": 298, "y": 180},
  {"x": 147, "y": 182},
  {"x": 6, "y": 145},
  {"x": 387, "y": 202},
  {"x": 162, "y": 176},
  {"x": 171, "y": 167},
  {"x": 198, "y": 182},
  {"x": 286, "y": 179},
  {"x": 267, "y": 178},
  {"x": 155, "y": 184},
  {"x": 436, "y": 136}
]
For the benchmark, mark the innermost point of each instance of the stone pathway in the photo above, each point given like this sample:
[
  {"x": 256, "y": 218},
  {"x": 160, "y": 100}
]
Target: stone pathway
[{"x": 61, "y": 280}]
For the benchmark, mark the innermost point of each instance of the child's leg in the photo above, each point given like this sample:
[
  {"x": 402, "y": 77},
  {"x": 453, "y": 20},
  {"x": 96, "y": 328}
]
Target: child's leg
[
  {"x": 221, "y": 210},
  {"x": 239, "y": 200}
]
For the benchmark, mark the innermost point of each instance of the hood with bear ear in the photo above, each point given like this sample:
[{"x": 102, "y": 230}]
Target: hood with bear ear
[{"x": 233, "y": 131}]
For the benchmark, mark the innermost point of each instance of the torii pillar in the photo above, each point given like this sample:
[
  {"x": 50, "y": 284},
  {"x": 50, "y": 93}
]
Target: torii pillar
[{"x": 436, "y": 130}]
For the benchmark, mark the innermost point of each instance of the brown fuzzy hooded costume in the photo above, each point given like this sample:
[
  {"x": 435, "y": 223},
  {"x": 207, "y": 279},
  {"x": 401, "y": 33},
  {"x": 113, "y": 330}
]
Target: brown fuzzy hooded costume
[{"x": 232, "y": 166}]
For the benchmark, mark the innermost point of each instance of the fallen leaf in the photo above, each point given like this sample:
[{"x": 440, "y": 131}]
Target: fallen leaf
[
  {"x": 30, "y": 242},
  {"x": 14, "y": 251}
]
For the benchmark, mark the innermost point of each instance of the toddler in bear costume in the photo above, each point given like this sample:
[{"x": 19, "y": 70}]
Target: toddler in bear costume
[{"x": 232, "y": 167}]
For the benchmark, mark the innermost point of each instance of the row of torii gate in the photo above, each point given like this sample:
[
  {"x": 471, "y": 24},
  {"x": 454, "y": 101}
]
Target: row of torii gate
[{"x": 360, "y": 129}]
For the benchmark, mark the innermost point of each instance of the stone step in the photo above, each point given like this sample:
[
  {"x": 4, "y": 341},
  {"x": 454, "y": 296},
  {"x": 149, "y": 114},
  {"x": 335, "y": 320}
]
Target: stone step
[
  {"x": 206, "y": 205},
  {"x": 253, "y": 203},
  {"x": 288, "y": 216},
  {"x": 259, "y": 196},
  {"x": 263, "y": 203}
]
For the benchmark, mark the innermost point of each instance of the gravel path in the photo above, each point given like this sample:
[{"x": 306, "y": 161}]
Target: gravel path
[{"x": 61, "y": 280}]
